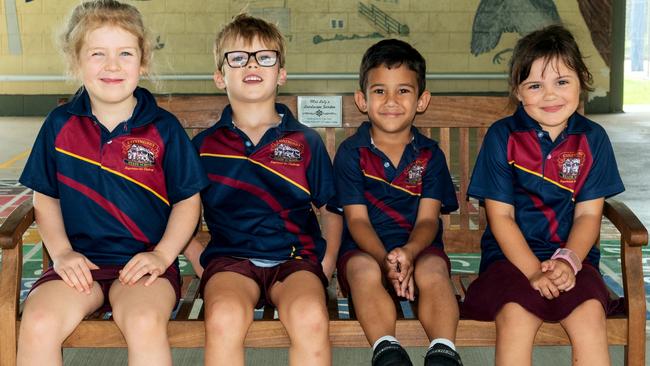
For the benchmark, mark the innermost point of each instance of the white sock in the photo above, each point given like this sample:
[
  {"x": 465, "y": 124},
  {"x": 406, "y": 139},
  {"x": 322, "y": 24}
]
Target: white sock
[
  {"x": 389, "y": 338},
  {"x": 444, "y": 341}
]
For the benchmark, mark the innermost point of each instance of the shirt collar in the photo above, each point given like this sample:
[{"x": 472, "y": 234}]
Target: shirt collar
[
  {"x": 362, "y": 138},
  {"x": 287, "y": 124},
  {"x": 144, "y": 112}
]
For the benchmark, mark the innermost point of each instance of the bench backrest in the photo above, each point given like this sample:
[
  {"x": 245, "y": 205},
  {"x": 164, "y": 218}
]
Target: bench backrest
[{"x": 458, "y": 123}]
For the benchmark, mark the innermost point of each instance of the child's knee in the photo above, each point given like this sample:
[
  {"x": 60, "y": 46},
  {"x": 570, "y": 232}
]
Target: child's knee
[
  {"x": 40, "y": 323},
  {"x": 226, "y": 315},
  {"x": 513, "y": 314},
  {"x": 593, "y": 309},
  {"x": 432, "y": 276},
  {"x": 136, "y": 323},
  {"x": 308, "y": 315},
  {"x": 433, "y": 271},
  {"x": 362, "y": 268},
  {"x": 588, "y": 314},
  {"x": 316, "y": 323}
]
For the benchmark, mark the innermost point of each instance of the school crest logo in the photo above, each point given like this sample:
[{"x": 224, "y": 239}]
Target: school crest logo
[
  {"x": 140, "y": 153},
  {"x": 569, "y": 164},
  {"x": 287, "y": 151},
  {"x": 415, "y": 171}
]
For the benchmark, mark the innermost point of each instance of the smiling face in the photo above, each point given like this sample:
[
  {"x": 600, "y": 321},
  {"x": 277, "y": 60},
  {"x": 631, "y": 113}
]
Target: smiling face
[
  {"x": 252, "y": 83},
  {"x": 109, "y": 65},
  {"x": 391, "y": 99},
  {"x": 550, "y": 94}
]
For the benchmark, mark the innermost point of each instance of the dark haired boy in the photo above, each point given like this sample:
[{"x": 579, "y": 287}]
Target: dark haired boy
[{"x": 393, "y": 182}]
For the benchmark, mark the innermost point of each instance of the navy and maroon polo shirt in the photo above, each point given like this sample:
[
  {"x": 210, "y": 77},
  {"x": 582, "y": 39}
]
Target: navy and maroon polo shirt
[
  {"x": 365, "y": 176},
  {"x": 519, "y": 164},
  {"x": 259, "y": 202},
  {"x": 116, "y": 189}
]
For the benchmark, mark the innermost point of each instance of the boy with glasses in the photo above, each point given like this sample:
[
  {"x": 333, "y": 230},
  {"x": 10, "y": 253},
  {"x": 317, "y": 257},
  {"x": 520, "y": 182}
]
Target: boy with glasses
[{"x": 266, "y": 171}]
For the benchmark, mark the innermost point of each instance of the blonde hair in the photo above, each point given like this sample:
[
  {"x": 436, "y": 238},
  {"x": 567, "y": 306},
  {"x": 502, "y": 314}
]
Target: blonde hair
[
  {"x": 90, "y": 15},
  {"x": 248, "y": 28}
]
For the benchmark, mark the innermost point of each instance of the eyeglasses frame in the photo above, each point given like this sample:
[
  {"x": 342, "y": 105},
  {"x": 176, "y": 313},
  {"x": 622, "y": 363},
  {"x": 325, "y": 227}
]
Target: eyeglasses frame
[{"x": 251, "y": 55}]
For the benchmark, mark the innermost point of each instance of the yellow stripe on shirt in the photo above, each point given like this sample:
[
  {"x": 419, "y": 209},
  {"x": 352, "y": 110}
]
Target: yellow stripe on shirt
[
  {"x": 90, "y": 161},
  {"x": 390, "y": 184}
]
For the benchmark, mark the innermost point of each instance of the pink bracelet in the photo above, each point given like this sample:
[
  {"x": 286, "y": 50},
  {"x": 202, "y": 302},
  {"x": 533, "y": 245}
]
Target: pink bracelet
[{"x": 569, "y": 256}]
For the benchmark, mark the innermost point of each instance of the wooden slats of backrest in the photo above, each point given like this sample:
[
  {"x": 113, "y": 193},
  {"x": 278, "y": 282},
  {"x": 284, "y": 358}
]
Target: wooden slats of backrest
[
  {"x": 459, "y": 123},
  {"x": 199, "y": 112},
  {"x": 463, "y": 158},
  {"x": 444, "y": 145}
]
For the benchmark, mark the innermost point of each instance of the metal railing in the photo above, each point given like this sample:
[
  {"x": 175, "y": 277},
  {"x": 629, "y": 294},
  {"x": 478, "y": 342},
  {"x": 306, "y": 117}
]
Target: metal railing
[{"x": 382, "y": 20}]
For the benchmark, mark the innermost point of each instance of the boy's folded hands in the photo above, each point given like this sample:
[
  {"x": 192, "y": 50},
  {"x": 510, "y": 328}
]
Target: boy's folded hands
[{"x": 399, "y": 271}]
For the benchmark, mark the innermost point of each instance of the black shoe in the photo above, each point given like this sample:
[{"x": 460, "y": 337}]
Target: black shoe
[
  {"x": 389, "y": 353},
  {"x": 441, "y": 355}
]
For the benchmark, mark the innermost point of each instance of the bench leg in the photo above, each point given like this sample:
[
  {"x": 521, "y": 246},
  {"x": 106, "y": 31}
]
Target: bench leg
[
  {"x": 636, "y": 305},
  {"x": 635, "y": 349},
  {"x": 9, "y": 290}
]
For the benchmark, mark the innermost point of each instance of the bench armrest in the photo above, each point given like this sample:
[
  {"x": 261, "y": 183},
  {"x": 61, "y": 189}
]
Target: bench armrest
[
  {"x": 633, "y": 237},
  {"x": 12, "y": 230},
  {"x": 11, "y": 238},
  {"x": 633, "y": 233}
]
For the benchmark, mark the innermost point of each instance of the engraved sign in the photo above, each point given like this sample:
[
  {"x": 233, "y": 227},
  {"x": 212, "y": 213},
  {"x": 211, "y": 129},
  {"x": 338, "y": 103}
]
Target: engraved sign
[{"x": 320, "y": 111}]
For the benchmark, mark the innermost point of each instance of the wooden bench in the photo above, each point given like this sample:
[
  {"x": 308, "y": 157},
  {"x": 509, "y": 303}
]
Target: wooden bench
[{"x": 459, "y": 124}]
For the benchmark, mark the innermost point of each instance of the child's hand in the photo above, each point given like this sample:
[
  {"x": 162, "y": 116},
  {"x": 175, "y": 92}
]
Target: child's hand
[
  {"x": 401, "y": 261},
  {"x": 409, "y": 291},
  {"x": 390, "y": 268},
  {"x": 152, "y": 263},
  {"x": 193, "y": 254},
  {"x": 540, "y": 282},
  {"x": 74, "y": 269},
  {"x": 560, "y": 273},
  {"x": 329, "y": 266}
]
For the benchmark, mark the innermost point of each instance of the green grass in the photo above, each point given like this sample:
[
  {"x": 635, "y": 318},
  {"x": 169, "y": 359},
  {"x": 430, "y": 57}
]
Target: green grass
[{"x": 636, "y": 91}]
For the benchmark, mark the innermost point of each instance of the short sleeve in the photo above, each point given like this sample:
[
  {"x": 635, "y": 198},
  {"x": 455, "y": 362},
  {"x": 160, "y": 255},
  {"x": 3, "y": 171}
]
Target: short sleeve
[
  {"x": 320, "y": 175},
  {"x": 603, "y": 179},
  {"x": 437, "y": 183},
  {"x": 184, "y": 173},
  {"x": 40, "y": 170},
  {"x": 349, "y": 178},
  {"x": 492, "y": 177}
]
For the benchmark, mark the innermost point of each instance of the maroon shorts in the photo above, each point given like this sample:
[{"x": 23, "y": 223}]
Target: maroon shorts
[
  {"x": 341, "y": 264},
  {"x": 106, "y": 275},
  {"x": 265, "y": 277},
  {"x": 502, "y": 283}
]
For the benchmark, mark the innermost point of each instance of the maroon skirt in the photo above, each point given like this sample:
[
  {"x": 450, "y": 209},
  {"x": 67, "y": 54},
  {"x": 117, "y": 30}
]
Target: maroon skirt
[{"x": 502, "y": 283}]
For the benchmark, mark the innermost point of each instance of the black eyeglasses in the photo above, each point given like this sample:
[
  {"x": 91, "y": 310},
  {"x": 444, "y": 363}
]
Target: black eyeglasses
[{"x": 264, "y": 58}]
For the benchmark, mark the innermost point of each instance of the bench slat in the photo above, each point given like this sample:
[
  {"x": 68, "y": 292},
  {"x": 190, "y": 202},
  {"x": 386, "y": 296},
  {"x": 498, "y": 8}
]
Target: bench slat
[{"x": 343, "y": 333}]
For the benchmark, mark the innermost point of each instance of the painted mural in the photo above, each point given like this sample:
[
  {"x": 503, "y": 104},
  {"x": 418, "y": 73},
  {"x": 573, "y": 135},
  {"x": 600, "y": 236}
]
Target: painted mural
[
  {"x": 323, "y": 36},
  {"x": 495, "y": 17}
]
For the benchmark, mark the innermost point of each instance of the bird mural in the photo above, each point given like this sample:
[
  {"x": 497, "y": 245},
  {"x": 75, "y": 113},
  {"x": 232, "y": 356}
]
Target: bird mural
[
  {"x": 598, "y": 17},
  {"x": 495, "y": 17}
]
